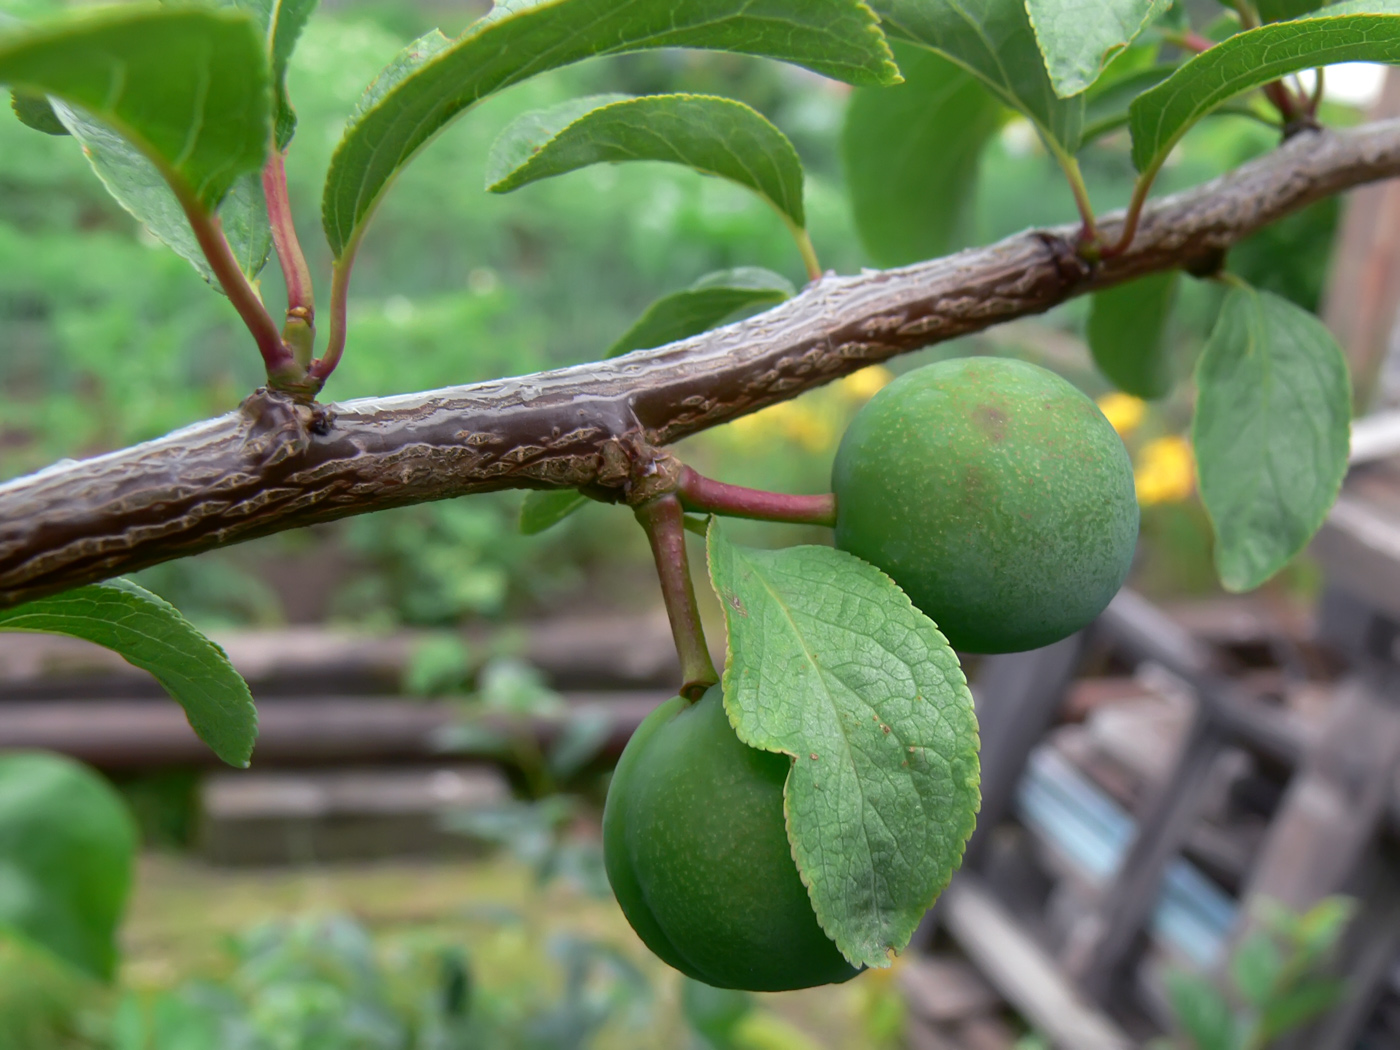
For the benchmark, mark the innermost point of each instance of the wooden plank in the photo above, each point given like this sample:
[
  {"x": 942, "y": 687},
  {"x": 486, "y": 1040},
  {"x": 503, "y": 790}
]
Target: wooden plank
[
  {"x": 311, "y": 816},
  {"x": 1100, "y": 949},
  {"x": 943, "y": 988},
  {"x": 1023, "y": 972},
  {"x": 1360, "y": 301},
  {"x": 1359, "y": 547},
  {"x": 1143, "y": 632},
  {"x": 607, "y": 651},
  {"x": 136, "y": 734},
  {"x": 1334, "y": 804}
]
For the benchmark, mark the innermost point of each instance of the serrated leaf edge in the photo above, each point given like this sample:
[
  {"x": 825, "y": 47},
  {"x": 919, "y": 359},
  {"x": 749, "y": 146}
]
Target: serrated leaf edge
[{"x": 963, "y": 832}]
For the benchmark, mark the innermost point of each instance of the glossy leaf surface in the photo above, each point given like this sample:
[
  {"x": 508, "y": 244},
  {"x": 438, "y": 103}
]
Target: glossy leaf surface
[
  {"x": 281, "y": 22},
  {"x": 1078, "y": 40},
  {"x": 838, "y": 38},
  {"x": 992, "y": 39},
  {"x": 706, "y": 303},
  {"x": 544, "y": 510},
  {"x": 150, "y": 633},
  {"x": 714, "y": 136},
  {"x": 139, "y": 187},
  {"x": 189, "y": 87},
  {"x": 1159, "y": 117},
  {"x": 35, "y": 111}
]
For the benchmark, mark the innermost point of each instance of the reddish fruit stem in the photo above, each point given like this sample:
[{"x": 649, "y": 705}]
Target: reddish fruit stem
[
  {"x": 700, "y": 493},
  {"x": 300, "y": 294},
  {"x": 664, "y": 521}
]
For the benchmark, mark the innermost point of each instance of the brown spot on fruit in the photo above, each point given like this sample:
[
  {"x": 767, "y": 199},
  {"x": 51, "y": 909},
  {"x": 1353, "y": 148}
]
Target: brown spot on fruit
[{"x": 991, "y": 421}]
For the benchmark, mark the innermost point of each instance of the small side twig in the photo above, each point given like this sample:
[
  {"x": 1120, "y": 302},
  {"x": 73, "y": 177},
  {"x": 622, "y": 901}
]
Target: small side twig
[{"x": 664, "y": 521}]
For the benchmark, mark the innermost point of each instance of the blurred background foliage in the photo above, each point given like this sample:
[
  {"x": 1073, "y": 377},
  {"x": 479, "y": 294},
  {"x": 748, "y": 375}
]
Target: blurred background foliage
[{"x": 107, "y": 338}]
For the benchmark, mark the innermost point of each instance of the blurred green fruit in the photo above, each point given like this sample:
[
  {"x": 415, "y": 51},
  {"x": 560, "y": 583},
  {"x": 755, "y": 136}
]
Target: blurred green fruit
[
  {"x": 995, "y": 494},
  {"x": 698, "y": 855}
]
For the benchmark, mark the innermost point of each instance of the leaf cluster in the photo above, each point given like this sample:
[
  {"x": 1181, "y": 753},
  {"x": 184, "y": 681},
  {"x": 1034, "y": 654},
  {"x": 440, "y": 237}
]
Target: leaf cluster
[{"x": 1278, "y": 977}]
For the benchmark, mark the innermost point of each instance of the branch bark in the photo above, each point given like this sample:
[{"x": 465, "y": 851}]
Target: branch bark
[{"x": 273, "y": 465}]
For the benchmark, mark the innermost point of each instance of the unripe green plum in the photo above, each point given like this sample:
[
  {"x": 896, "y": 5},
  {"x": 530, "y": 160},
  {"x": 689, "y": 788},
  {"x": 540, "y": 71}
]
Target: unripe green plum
[
  {"x": 698, "y": 855},
  {"x": 995, "y": 494}
]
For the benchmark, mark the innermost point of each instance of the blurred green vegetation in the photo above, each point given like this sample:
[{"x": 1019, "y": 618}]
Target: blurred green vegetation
[
  {"x": 445, "y": 956},
  {"x": 107, "y": 338}
]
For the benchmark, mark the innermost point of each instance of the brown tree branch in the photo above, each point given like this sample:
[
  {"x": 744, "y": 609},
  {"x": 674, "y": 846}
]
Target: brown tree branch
[{"x": 274, "y": 465}]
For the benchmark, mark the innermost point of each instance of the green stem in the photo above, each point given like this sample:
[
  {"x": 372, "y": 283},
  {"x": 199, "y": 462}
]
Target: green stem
[
  {"x": 809, "y": 252},
  {"x": 282, "y": 369},
  {"x": 664, "y": 521},
  {"x": 1190, "y": 40},
  {"x": 1141, "y": 188},
  {"x": 1089, "y": 229},
  {"x": 700, "y": 493}
]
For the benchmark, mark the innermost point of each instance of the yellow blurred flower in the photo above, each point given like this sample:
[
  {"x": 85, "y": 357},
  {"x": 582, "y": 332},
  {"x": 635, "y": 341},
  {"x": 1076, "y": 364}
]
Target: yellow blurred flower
[
  {"x": 801, "y": 422},
  {"x": 865, "y": 384},
  {"x": 1165, "y": 471},
  {"x": 1123, "y": 411}
]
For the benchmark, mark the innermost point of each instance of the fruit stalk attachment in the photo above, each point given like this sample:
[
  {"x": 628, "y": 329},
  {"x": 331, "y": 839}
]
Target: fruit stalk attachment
[
  {"x": 664, "y": 521},
  {"x": 700, "y": 493}
]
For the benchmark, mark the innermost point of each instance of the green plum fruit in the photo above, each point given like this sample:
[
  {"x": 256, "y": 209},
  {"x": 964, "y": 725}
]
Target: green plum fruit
[
  {"x": 697, "y": 853},
  {"x": 995, "y": 494}
]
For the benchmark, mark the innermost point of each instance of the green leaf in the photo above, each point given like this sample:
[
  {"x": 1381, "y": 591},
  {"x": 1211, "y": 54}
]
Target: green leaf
[
  {"x": 714, "y": 136},
  {"x": 189, "y": 87},
  {"x": 1127, "y": 333},
  {"x": 839, "y": 38},
  {"x": 709, "y": 301},
  {"x": 830, "y": 663},
  {"x": 139, "y": 187},
  {"x": 1271, "y": 432},
  {"x": 1322, "y": 926},
  {"x": 34, "y": 111},
  {"x": 1159, "y": 117},
  {"x": 282, "y": 22},
  {"x": 1201, "y": 1011},
  {"x": 414, "y": 55},
  {"x": 150, "y": 633},
  {"x": 911, "y": 154},
  {"x": 1078, "y": 40},
  {"x": 1256, "y": 968},
  {"x": 1106, "y": 103},
  {"x": 544, "y": 510},
  {"x": 1308, "y": 1000},
  {"x": 1278, "y": 10},
  {"x": 992, "y": 39},
  {"x": 67, "y": 845}
]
